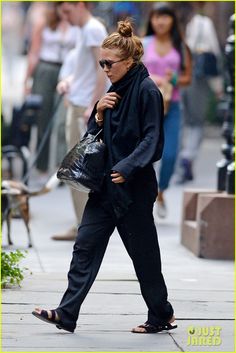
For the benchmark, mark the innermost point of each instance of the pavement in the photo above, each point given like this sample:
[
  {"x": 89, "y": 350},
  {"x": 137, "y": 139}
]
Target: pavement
[{"x": 200, "y": 290}]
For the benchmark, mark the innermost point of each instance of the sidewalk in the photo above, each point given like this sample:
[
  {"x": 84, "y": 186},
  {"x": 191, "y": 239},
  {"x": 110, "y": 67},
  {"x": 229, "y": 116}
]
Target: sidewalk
[{"x": 200, "y": 290}]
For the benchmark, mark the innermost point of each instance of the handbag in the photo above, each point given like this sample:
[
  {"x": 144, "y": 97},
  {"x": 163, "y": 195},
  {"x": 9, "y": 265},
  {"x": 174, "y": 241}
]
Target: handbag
[
  {"x": 205, "y": 65},
  {"x": 205, "y": 62},
  {"x": 83, "y": 168}
]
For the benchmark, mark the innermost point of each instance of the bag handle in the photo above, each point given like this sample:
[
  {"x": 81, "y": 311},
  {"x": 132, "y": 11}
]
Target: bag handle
[
  {"x": 91, "y": 136},
  {"x": 99, "y": 132}
]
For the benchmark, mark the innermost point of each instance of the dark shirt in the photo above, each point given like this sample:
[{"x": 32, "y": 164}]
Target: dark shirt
[
  {"x": 133, "y": 134},
  {"x": 142, "y": 138}
]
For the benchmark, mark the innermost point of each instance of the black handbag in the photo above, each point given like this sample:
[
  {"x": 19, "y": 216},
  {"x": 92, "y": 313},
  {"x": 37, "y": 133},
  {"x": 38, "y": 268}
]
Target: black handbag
[
  {"x": 83, "y": 168},
  {"x": 205, "y": 65}
]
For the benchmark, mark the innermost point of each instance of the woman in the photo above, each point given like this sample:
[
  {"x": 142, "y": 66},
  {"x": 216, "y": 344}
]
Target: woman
[
  {"x": 168, "y": 61},
  {"x": 201, "y": 38},
  {"x": 52, "y": 38},
  {"x": 131, "y": 114}
]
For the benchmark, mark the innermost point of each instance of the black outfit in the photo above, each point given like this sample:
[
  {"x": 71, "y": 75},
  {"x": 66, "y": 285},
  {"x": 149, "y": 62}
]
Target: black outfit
[{"x": 133, "y": 133}]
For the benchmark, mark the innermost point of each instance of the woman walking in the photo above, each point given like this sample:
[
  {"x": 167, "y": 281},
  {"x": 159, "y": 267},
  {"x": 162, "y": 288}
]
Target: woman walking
[
  {"x": 131, "y": 114},
  {"x": 52, "y": 39},
  {"x": 168, "y": 61}
]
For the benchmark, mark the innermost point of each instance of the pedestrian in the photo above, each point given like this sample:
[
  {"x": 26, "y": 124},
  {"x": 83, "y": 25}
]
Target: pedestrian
[
  {"x": 84, "y": 86},
  {"x": 131, "y": 115},
  {"x": 168, "y": 61},
  {"x": 52, "y": 38},
  {"x": 201, "y": 38}
]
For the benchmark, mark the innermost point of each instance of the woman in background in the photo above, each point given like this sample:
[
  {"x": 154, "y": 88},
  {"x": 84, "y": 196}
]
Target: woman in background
[
  {"x": 52, "y": 38},
  {"x": 201, "y": 37},
  {"x": 168, "y": 61}
]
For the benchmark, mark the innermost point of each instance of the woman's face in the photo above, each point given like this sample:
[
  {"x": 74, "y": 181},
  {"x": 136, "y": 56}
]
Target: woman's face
[
  {"x": 60, "y": 13},
  {"x": 51, "y": 14},
  {"x": 115, "y": 66},
  {"x": 161, "y": 24}
]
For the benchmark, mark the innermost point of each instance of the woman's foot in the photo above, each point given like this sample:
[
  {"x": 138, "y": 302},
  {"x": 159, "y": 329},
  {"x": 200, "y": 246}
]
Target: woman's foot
[
  {"x": 161, "y": 209},
  {"x": 51, "y": 317},
  {"x": 149, "y": 328},
  {"x": 50, "y": 314}
]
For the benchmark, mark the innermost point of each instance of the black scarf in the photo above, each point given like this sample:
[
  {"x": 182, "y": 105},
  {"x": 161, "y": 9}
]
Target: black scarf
[
  {"x": 118, "y": 129},
  {"x": 125, "y": 113}
]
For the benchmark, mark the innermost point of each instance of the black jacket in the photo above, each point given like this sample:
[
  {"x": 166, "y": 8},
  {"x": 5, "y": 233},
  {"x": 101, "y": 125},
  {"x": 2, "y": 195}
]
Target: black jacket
[
  {"x": 142, "y": 139},
  {"x": 133, "y": 133}
]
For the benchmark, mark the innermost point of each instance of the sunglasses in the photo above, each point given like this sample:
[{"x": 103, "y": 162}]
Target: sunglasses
[{"x": 108, "y": 63}]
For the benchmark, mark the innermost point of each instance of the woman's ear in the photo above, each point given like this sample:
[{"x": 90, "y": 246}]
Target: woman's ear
[{"x": 130, "y": 62}]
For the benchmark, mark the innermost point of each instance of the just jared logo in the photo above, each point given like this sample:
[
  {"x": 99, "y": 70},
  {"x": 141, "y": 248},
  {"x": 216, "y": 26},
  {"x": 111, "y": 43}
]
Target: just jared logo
[{"x": 204, "y": 335}]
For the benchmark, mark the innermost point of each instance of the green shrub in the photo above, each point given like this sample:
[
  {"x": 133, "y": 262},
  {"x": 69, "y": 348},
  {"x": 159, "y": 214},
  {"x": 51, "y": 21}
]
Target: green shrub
[{"x": 11, "y": 273}]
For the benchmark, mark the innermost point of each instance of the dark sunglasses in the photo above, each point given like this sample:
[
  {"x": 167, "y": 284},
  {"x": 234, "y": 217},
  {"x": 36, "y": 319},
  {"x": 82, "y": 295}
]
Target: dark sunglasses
[{"x": 108, "y": 63}]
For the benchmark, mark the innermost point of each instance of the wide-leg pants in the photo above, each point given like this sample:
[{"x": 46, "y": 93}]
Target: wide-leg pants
[{"x": 138, "y": 233}]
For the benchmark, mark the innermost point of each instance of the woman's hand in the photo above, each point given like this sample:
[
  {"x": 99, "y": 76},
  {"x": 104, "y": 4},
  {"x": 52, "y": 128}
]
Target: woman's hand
[
  {"x": 117, "y": 178},
  {"x": 108, "y": 101},
  {"x": 63, "y": 87},
  {"x": 169, "y": 74},
  {"x": 27, "y": 89},
  {"x": 158, "y": 80}
]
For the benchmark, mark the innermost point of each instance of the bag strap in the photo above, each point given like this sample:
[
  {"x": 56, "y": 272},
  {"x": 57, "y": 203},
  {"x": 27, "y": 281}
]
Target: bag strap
[
  {"x": 108, "y": 135},
  {"x": 99, "y": 132},
  {"x": 91, "y": 137}
]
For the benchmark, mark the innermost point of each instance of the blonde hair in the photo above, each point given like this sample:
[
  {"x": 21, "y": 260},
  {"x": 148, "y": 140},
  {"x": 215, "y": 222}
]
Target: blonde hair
[{"x": 125, "y": 41}]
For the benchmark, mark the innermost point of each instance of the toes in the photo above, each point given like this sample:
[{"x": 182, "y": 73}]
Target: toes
[
  {"x": 139, "y": 329},
  {"x": 38, "y": 310},
  {"x": 51, "y": 314}
]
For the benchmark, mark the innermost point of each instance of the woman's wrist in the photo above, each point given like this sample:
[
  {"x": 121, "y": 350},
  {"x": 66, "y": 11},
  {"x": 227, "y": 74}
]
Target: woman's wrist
[
  {"x": 28, "y": 82},
  {"x": 99, "y": 118}
]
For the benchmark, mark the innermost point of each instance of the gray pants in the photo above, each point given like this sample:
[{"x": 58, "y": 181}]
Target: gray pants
[
  {"x": 44, "y": 84},
  {"x": 58, "y": 146},
  {"x": 75, "y": 129},
  {"x": 194, "y": 103}
]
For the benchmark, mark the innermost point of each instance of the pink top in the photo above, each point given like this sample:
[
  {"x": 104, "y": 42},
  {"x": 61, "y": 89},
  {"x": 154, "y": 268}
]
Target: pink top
[{"x": 157, "y": 65}]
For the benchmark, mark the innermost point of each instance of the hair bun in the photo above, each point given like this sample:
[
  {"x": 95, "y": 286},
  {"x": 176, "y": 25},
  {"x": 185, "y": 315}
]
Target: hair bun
[{"x": 125, "y": 28}]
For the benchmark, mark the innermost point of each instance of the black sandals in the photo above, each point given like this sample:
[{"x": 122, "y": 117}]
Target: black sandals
[
  {"x": 148, "y": 328},
  {"x": 43, "y": 315}
]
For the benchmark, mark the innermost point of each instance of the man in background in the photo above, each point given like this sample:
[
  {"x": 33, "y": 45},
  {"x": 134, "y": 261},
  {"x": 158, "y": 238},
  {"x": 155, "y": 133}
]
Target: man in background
[{"x": 83, "y": 86}]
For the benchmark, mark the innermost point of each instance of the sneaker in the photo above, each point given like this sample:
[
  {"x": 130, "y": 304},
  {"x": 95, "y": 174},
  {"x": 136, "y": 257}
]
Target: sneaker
[
  {"x": 161, "y": 209},
  {"x": 187, "y": 173},
  {"x": 69, "y": 235}
]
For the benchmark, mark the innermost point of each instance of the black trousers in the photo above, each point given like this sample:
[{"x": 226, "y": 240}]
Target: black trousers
[{"x": 138, "y": 233}]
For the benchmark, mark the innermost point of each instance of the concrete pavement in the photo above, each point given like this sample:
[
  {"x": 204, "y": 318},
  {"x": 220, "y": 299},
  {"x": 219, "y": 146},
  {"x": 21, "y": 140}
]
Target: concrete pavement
[{"x": 200, "y": 290}]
